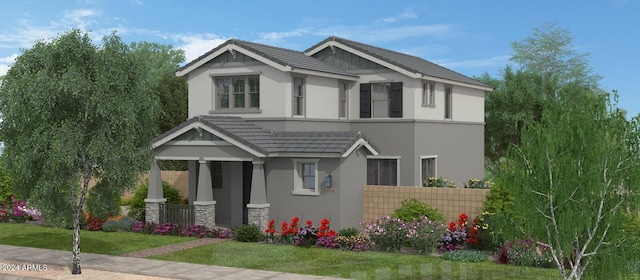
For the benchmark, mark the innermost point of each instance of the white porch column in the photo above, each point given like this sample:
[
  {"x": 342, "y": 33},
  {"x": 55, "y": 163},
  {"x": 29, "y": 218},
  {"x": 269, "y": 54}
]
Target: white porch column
[
  {"x": 205, "y": 206},
  {"x": 155, "y": 196},
  {"x": 258, "y": 208}
]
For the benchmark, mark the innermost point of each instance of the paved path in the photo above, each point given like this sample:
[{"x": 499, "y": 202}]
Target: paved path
[
  {"x": 28, "y": 263},
  {"x": 173, "y": 248}
]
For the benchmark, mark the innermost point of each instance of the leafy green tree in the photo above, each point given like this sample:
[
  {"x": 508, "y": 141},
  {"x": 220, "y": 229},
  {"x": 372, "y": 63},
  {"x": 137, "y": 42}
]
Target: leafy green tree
[
  {"x": 550, "y": 52},
  {"x": 6, "y": 186},
  {"x": 575, "y": 176},
  {"x": 72, "y": 110},
  {"x": 160, "y": 62},
  {"x": 548, "y": 67}
]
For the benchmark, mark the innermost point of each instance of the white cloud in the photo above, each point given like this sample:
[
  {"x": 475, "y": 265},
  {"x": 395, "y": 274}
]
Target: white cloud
[
  {"x": 500, "y": 60},
  {"x": 371, "y": 34},
  {"x": 408, "y": 14},
  {"x": 196, "y": 45},
  {"x": 5, "y": 62},
  {"x": 78, "y": 18},
  {"x": 270, "y": 37}
]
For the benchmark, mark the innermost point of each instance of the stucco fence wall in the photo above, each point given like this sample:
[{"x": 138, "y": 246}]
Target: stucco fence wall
[
  {"x": 381, "y": 201},
  {"x": 178, "y": 179}
]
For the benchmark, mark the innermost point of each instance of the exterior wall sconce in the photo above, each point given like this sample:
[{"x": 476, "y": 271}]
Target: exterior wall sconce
[{"x": 328, "y": 181}]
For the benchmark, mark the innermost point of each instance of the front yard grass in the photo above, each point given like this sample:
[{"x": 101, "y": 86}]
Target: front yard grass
[
  {"x": 98, "y": 242},
  {"x": 357, "y": 265}
]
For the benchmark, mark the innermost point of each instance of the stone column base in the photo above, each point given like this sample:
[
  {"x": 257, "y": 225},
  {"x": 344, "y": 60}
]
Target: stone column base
[
  {"x": 205, "y": 213},
  {"x": 152, "y": 210},
  {"x": 258, "y": 214}
]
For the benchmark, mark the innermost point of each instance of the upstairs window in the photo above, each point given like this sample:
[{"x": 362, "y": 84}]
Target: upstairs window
[
  {"x": 448, "y": 100},
  {"x": 298, "y": 96},
  {"x": 428, "y": 95},
  {"x": 381, "y": 100},
  {"x": 342, "y": 100},
  {"x": 238, "y": 92}
]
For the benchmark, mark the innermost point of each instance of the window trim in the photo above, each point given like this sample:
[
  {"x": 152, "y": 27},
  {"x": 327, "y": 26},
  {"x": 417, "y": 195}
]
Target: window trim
[
  {"x": 343, "y": 107},
  {"x": 395, "y": 96},
  {"x": 429, "y": 94},
  {"x": 435, "y": 166},
  {"x": 448, "y": 102},
  {"x": 298, "y": 184},
  {"x": 232, "y": 94},
  {"x": 302, "y": 96},
  {"x": 397, "y": 158}
]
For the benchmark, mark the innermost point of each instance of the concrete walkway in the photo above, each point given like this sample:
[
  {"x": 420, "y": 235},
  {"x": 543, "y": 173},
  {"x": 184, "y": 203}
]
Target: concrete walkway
[{"x": 29, "y": 263}]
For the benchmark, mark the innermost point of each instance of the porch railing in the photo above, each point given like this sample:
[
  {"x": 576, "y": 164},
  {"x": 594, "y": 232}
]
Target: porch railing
[{"x": 182, "y": 214}]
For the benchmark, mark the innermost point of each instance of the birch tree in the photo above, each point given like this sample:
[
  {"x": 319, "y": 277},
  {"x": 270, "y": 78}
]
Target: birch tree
[
  {"x": 71, "y": 111},
  {"x": 575, "y": 177}
]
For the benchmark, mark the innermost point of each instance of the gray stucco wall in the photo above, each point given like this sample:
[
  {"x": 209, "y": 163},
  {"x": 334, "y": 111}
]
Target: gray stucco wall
[
  {"x": 458, "y": 145},
  {"x": 352, "y": 177},
  {"x": 285, "y": 206}
]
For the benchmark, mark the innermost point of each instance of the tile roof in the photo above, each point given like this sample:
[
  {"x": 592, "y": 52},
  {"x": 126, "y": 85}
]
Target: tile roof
[
  {"x": 408, "y": 62},
  {"x": 268, "y": 142},
  {"x": 282, "y": 56}
]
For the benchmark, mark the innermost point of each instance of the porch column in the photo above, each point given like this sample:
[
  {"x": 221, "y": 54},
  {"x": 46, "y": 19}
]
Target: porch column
[
  {"x": 258, "y": 208},
  {"x": 193, "y": 180},
  {"x": 205, "y": 206},
  {"x": 154, "y": 195}
]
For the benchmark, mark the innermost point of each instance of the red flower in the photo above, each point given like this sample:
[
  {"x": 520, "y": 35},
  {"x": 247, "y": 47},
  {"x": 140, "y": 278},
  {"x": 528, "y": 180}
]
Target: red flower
[
  {"x": 331, "y": 233},
  {"x": 324, "y": 221},
  {"x": 309, "y": 223},
  {"x": 320, "y": 234},
  {"x": 463, "y": 216},
  {"x": 323, "y": 227},
  {"x": 295, "y": 220}
]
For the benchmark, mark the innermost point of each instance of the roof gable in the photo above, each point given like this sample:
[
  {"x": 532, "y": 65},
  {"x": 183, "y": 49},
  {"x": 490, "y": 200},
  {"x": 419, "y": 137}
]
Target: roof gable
[
  {"x": 279, "y": 58},
  {"x": 409, "y": 65},
  {"x": 263, "y": 143}
]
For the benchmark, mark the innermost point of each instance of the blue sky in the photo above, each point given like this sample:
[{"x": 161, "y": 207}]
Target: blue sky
[{"x": 470, "y": 37}]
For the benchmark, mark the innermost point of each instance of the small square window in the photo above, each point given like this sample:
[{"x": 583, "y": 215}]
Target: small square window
[{"x": 305, "y": 178}]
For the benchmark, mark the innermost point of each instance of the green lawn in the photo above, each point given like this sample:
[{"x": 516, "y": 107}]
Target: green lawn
[
  {"x": 98, "y": 242},
  {"x": 358, "y": 265}
]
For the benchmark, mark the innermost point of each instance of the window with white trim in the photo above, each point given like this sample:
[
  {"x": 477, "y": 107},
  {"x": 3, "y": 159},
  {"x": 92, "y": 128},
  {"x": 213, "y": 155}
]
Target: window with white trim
[
  {"x": 383, "y": 171},
  {"x": 343, "y": 92},
  {"x": 305, "y": 178},
  {"x": 429, "y": 95},
  {"x": 238, "y": 92},
  {"x": 298, "y": 96},
  {"x": 427, "y": 168},
  {"x": 448, "y": 101}
]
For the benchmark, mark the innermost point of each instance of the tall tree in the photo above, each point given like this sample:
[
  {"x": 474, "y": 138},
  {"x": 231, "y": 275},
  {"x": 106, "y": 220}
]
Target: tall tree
[
  {"x": 71, "y": 111},
  {"x": 160, "y": 62},
  {"x": 547, "y": 65},
  {"x": 550, "y": 52},
  {"x": 574, "y": 176}
]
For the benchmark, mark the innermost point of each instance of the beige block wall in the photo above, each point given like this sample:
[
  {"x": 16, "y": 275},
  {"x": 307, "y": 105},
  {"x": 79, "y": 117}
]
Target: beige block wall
[
  {"x": 381, "y": 201},
  {"x": 178, "y": 179}
]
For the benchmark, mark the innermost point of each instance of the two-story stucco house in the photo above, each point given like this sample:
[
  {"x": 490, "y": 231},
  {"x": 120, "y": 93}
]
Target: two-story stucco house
[{"x": 275, "y": 133}]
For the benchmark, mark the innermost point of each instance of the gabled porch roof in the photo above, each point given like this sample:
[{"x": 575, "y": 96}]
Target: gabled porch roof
[{"x": 264, "y": 143}]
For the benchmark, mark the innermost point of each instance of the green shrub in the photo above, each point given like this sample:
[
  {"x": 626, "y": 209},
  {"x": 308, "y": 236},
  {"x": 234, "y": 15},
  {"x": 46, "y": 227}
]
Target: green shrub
[
  {"x": 465, "y": 256},
  {"x": 126, "y": 223},
  {"x": 348, "y": 232},
  {"x": 498, "y": 201},
  {"x": 103, "y": 200},
  {"x": 6, "y": 187},
  {"x": 137, "y": 205},
  {"x": 111, "y": 226},
  {"x": 414, "y": 209},
  {"x": 248, "y": 233}
]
